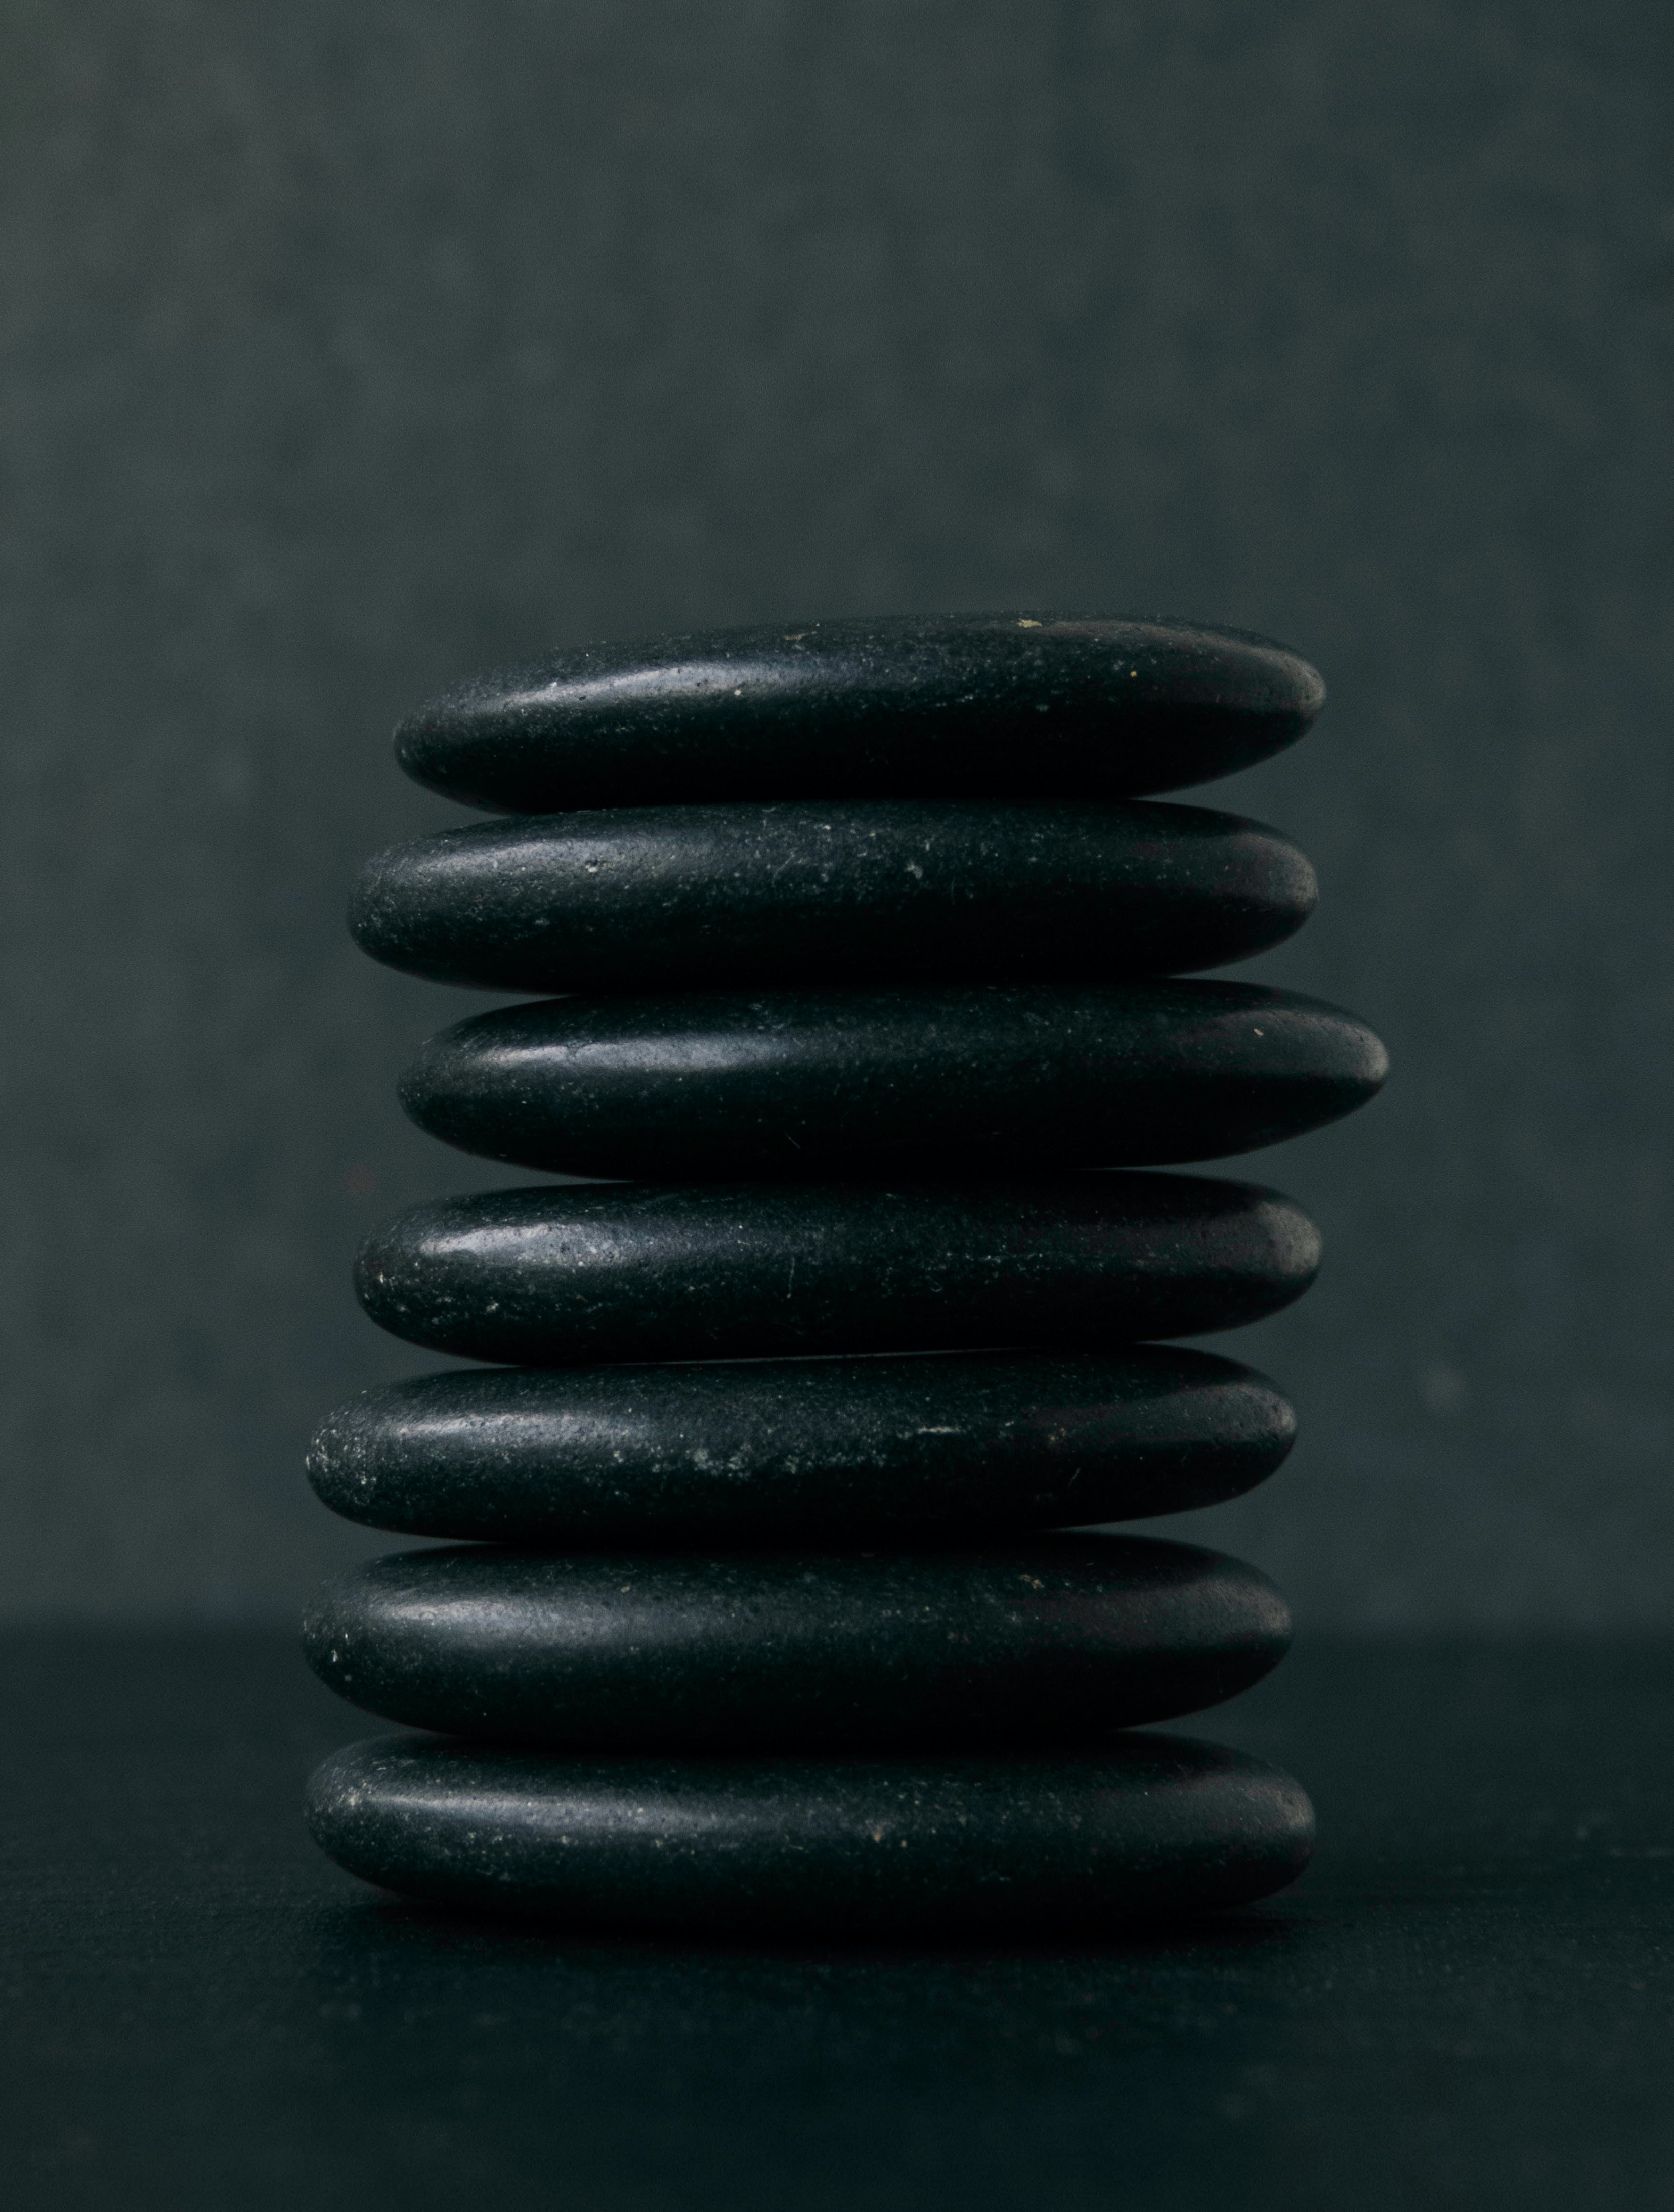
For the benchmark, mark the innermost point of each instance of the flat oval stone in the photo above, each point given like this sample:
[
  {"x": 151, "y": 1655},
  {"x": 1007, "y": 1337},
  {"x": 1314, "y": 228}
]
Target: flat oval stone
[
  {"x": 1144, "y": 1827},
  {"x": 767, "y": 1451},
  {"x": 565, "y": 1277},
  {"x": 942, "y": 1079},
  {"x": 1050, "y": 1639},
  {"x": 678, "y": 897},
  {"x": 984, "y": 705}
]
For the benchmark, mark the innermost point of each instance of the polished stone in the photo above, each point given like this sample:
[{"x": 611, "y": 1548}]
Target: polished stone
[
  {"x": 1144, "y": 1827},
  {"x": 942, "y": 1079},
  {"x": 997, "y": 706},
  {"x": 657, "y": 898},
  {"x": 547, "y": 1277},
  {"x": 801, "y": 1449},
  {"x": 1042, "y": 1639}
]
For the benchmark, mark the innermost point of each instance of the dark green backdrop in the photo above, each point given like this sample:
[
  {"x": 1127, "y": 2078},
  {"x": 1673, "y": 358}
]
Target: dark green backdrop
[{"x": 349, "y": 348}]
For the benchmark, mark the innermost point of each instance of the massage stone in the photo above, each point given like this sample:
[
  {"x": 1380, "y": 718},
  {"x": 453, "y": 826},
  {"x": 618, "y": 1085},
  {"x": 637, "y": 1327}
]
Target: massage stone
[
  {"x": 808, "y": 1083},
  {"x": 1081, "y": 1843},
  {"x": 991, "y": 706},
  {"x": 1056, "y": 1637},
  {"x": 771, "y": 1600},
  {"x": 551, "y": 1275},
  {"x": 823, "y": 1451},
  {"x": 680, "y": 898}
]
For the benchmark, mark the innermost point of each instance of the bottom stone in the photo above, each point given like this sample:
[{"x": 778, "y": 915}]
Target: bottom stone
[{"x": 1144, "y": 1827}]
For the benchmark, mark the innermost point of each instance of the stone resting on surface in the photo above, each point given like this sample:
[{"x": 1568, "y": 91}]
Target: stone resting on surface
[{"x": 769, "y": 1601}]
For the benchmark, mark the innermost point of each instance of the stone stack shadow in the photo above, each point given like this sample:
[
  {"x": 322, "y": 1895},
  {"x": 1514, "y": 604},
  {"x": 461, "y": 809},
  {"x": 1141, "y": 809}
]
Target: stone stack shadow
[{"x": 770, "y": 1601}]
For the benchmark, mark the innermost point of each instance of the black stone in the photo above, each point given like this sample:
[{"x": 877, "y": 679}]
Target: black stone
[
  {"x": 801, "y": 1449},
  {"x": 660, "y": 898},
  {"x": 564, "y": 1277},
  {"x": 1144, "y": 1828},
  {"x": 986, "y": 706},
  {"x": 1045, "y": 1640},
  {"x": 939, "y": 1079}
]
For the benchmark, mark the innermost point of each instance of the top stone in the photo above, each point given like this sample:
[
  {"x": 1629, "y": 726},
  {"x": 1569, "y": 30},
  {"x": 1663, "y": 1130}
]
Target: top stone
[{"x": 986, "y": 706}]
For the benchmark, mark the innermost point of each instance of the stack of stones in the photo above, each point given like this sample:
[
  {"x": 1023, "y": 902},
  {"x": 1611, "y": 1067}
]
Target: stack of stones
[{"x": 770, "y": 1601}]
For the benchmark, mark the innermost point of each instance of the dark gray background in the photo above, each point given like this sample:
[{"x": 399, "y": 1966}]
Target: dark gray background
[{"x": 349, "y": 349}]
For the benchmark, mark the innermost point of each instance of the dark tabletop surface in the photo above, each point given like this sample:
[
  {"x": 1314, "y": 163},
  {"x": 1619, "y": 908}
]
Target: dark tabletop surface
[{"x": 1469, "y": 2000}]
